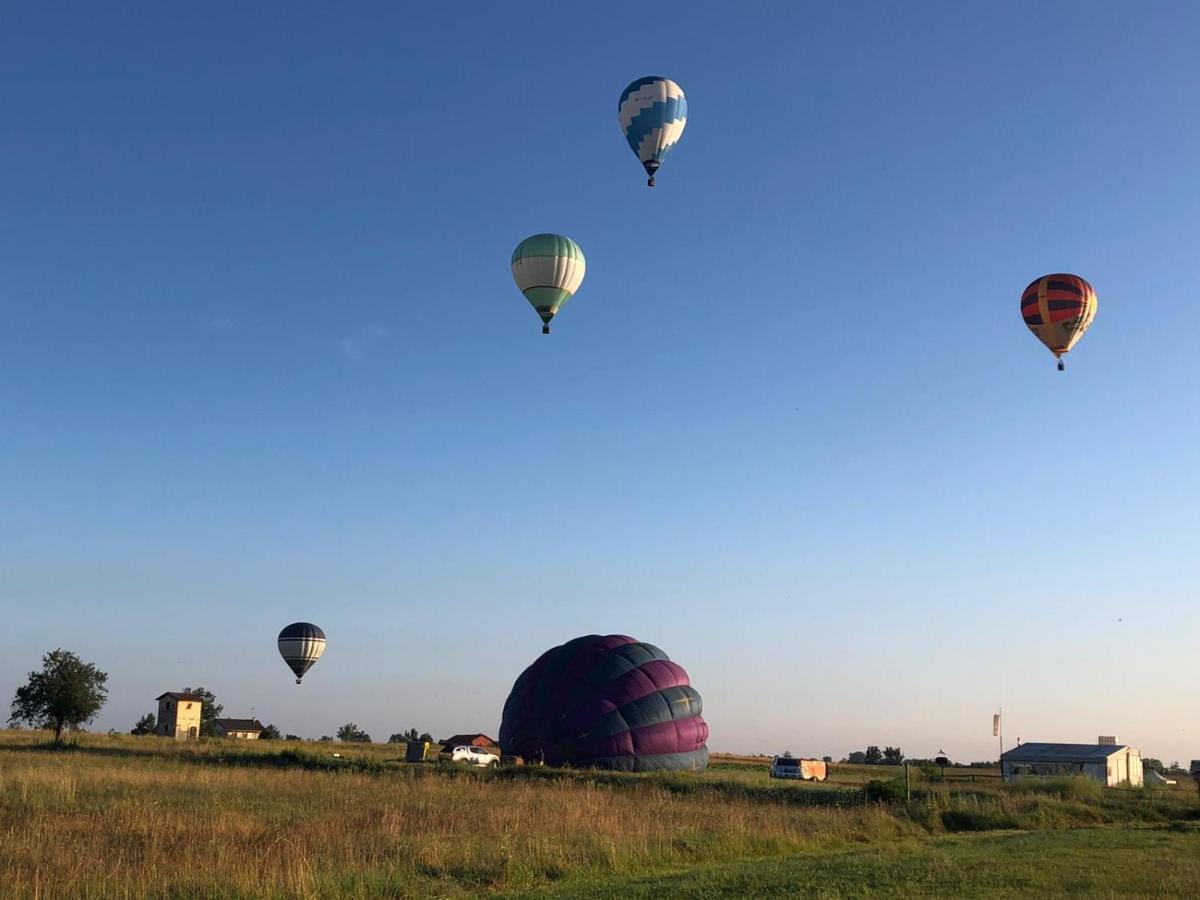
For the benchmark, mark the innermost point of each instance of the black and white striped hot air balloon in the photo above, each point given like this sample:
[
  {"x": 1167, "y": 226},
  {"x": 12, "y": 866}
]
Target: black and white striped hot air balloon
[{"x": 301, "y": 644}]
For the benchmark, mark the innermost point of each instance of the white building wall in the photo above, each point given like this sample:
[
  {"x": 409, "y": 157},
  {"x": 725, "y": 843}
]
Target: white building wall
[{"x": 1125, "y": 766}]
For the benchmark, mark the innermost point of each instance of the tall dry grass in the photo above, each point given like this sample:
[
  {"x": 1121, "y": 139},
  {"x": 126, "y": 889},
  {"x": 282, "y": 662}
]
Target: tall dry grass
[{"x": 147, "y": 818}]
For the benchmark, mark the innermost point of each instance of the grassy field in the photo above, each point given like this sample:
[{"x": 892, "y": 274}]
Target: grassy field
[
  {"x": 143, "y": 817},
  {"x": 1092, "y": 862}
]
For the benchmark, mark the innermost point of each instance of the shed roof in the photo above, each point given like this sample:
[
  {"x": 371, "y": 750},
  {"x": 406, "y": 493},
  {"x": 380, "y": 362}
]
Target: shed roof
[
  {"x": 476, "y": 739},
  {"x": 180, "y": 695},
  {"x": 239, "y": 724},
  {"x": 1062, "y": 752}
]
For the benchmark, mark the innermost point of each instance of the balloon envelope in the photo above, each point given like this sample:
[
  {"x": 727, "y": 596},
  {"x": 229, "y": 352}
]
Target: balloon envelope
[
  {"x": 1058, "y": 309},
  {"x": 608, "y": 702},
  {"x": 301, "y": 644},
  {"x": 652, "y": 113},
  {"x": 548, "y": 268}
]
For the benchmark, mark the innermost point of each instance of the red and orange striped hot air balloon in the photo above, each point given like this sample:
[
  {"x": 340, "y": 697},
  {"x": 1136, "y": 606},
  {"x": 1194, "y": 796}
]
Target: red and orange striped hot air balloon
[{"x": 1058, "y": 309}]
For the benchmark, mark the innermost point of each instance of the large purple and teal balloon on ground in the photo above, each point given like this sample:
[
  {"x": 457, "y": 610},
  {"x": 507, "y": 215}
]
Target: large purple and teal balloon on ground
[{"x": 607, "y": 702}]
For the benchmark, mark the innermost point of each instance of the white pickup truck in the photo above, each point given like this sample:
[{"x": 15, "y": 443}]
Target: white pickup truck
[{"x": 475, "y": 756}]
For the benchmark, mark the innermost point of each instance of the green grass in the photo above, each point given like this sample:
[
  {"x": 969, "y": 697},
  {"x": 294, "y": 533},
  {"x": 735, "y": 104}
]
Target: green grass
[{"x": 1093, "y": 863}]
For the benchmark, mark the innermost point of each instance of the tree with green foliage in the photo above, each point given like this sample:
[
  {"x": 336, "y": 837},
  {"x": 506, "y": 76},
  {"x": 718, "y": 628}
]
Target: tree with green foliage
[
  {"x": 873, "y": 756},
  {"x": 292, "y": 737},
  {"x": 210, "y": 710},
  {"x": 67, "y": 693},
  {"x": 352, "y": 734},
  {"x": 270, "y": 733},
  {"x": 412, "y": 736},
  {"x": 145, "y": 725},
  {"x": 893, "y": 756}
]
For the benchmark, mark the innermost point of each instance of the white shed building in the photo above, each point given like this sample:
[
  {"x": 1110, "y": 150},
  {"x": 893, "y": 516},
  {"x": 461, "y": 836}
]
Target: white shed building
[{"x": 1110, "y": 764}]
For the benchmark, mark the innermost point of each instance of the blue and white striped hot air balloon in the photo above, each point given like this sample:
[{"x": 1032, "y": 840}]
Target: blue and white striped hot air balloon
[{"x": 652, "y": 114}]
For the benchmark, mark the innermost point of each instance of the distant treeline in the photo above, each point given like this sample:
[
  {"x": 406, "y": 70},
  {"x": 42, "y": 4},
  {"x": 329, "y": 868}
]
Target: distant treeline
[{"x": 894, "y": 756}]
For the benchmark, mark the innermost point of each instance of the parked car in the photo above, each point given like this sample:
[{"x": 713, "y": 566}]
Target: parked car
[
  {"x": 475, "y": 756},
  {"x": 803, "y": 769}
]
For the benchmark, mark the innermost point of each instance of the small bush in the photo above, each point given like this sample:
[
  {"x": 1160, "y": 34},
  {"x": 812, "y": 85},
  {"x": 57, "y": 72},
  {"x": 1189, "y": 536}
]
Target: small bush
[
  {"x": 926, "y": 811},
  {"x": 885, "y": 791}
]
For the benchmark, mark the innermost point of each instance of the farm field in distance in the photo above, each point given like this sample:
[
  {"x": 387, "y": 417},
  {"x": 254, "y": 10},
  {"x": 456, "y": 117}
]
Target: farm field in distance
[{"x": 145, "y": 817}]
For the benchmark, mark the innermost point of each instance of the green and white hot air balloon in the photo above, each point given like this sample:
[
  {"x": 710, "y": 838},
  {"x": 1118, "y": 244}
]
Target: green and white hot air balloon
[{"x": 548, "y": 268}]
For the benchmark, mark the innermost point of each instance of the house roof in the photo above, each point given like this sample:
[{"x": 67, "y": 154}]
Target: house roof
[
  {"x": 180, "y": 695},
  {"x": 457, "y": 739},
  {"x": 239, "y": 724},
  {"x": 1062, "y": 752}
]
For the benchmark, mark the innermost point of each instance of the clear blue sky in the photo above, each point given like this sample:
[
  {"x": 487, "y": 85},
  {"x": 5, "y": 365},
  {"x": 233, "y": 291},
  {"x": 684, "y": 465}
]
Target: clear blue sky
[{"x": 262, "y": 360}]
